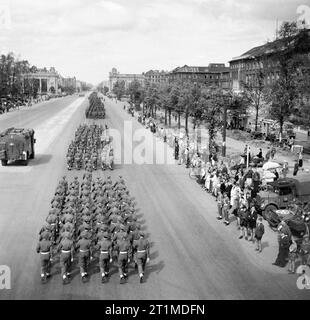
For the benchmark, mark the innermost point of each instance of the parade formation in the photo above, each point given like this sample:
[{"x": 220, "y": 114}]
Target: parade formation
[
  {"x": 91, "y": 149},
  {"x": 93, "y": 219}
]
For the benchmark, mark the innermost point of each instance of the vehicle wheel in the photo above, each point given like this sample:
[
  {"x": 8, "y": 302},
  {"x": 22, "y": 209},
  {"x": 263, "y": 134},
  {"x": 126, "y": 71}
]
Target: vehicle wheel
[
  {"x": 268, "y": 211},
  {"x": 32, "y": 155},
  {"x": 4, "y": 162}
]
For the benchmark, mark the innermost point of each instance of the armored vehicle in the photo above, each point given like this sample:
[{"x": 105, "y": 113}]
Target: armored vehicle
[{"x": 17, "y": 145}]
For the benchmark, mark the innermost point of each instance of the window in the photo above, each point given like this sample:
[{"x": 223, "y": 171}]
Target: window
[{"x": 284, "y": 191}]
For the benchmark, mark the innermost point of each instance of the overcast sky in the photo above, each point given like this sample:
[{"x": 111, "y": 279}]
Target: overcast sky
[{"x": 87, "y": 38}]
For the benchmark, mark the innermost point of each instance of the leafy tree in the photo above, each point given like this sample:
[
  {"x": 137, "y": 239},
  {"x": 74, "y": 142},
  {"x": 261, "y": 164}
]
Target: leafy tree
[
  {"x": 254, "y": 93},
  {"x": 287, "y": 92},
  {"x": 136, "y": 93},
  {"x": 119, "y": 89}
]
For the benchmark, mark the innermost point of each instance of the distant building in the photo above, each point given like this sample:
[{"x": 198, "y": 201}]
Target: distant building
[
  {"x": 68, "y": 83},
  {"x": 115, "y": 76},
  {"x": 48, "y": 80},
  {"x": 214, "y": 75},
  {"x": 155, "y": 76}
]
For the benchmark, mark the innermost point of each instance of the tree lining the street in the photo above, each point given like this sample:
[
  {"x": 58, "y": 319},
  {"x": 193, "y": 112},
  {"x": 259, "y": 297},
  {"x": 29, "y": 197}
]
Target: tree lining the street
[
  {"x": 119, "y": 89},
  {"x": 292, "y": 64}
]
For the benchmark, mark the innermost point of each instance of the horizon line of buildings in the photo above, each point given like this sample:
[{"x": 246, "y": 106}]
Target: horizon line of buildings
[
  {"x": 49, "y": 81},
  {"x": 242, "y": 69}
]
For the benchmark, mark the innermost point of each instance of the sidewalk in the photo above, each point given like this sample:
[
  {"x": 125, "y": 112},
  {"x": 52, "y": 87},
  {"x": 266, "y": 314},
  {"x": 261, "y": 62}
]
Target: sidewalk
[
  {"x": 270, "y": 242},
  {"x": 236, "y": 147}
]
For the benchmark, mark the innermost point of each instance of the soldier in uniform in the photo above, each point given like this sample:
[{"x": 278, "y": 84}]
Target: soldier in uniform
[
  {"x": 105, "y": 258},
  {"x": 84, "y": 245},
  {"x": 142, "y": 249},
  {"x": 66, "y": 249},
  {"x": 45, "y": 249},
  {"x": 124, "y": 252}
]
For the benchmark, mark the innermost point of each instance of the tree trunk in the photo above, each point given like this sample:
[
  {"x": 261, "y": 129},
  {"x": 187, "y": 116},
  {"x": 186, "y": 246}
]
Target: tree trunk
[
  {"x": 256, "y": 117},
  {"x": 166, "y": 113},
  {"x": 179, "y": 120},
  {"x": 186, "y": 122},
  {"x": 169, "y": 113}
]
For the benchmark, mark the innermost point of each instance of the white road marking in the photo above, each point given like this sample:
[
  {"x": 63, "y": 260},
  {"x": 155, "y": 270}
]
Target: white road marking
[{"x": 46, "y": 133}]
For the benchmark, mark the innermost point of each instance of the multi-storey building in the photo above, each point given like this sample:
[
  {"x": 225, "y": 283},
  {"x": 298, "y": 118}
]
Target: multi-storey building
[
  {"x": 156, "y": 76},
  {"x": 245, "y": 68},
  {"x": 115, "y": 76},
  {"x": 214, "y": 75}
]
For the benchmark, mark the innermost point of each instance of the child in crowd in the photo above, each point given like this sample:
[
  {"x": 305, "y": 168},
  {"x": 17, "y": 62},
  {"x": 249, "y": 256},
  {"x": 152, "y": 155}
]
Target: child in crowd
[{"x": 259, "y": 232}]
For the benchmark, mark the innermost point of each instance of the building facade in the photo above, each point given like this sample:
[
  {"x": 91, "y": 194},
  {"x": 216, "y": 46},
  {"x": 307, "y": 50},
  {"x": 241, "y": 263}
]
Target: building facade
[
  {"x": 48, "y": 80},
  {"x": 156, "y": 77},
  {"x": 214, "y": 75},
  {"x": 246, "y": 68},
  {"x": 115, "y": 76}
]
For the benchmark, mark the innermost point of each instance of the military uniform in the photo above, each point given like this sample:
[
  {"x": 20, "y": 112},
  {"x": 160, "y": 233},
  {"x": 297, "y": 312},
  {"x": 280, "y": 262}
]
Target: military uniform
[
  {"x": 44, "y": 247},
  {"x": 124, "y": 252},
  {"x": 142, "y": 248},
  {"x": 105, "y": 247},
  {"x": 66, "y": 256},
  {"x": 84, "y": 246}
]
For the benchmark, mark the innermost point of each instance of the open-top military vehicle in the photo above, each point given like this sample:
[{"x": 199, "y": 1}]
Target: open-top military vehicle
[{"x": 17, "y": 145}]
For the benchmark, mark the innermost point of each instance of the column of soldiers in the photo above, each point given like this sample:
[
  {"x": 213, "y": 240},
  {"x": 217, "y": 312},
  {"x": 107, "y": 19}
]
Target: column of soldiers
[
  {"x": 84, "y": 151},
  {"x": 91, "y": 219}
]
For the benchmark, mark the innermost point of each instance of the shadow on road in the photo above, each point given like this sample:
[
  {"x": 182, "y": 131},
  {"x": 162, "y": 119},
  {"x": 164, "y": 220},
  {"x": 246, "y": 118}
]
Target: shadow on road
[{"x": 40, "y": 159}]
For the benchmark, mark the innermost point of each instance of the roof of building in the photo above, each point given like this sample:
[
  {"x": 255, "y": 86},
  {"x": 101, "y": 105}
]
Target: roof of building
[
  {"x": 211, "y": 68},
  {"x": 265, "y": 49}
]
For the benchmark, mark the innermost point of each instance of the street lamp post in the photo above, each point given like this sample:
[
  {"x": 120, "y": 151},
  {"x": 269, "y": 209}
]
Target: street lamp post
[{"x": 224, "y": 130}]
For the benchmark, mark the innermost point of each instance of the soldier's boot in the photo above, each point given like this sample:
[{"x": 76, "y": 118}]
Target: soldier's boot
[{"x": 141, "y": 277}]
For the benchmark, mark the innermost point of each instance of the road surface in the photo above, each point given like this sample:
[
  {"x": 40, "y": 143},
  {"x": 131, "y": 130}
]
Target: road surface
[{"x": 193, "y": 256}]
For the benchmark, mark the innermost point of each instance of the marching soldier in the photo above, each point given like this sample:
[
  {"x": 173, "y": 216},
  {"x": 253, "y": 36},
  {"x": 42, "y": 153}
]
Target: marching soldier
[
  {"x": 45, "y": 249},
  {"x": 105, "y": 247},
  {"x": 66, "y": 249},
  {"x": 124, "y": 252},
  {"x": 84, "y": 246},
  {"x": 142, "y": 249}
]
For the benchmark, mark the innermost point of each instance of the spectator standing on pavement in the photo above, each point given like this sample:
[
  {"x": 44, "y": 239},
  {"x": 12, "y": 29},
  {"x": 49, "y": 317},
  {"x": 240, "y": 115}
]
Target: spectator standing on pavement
[
  {"x": 296, "y": 167},
  {"x": 284, "y": 244},
  {"x": 252, "y": 217},
  {"x": 300, "y": 161},
  {"x": 220, "y": 202},
  {"x": 259, "y": 232},
  {"x": 292, "y": 257},
  {"x": 267, "y": 157},
  {"x": 225, "y": 209},
  {"x": 273, "y": 152}
]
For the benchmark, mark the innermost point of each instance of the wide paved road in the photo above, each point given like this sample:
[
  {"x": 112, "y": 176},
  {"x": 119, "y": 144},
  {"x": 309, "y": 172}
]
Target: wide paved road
[{"x": 193, "y": 256}]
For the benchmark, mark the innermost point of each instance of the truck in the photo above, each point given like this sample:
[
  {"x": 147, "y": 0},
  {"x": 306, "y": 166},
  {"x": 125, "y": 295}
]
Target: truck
[
  {"x": 281, "y": 193},
  {"x": 17, "y": 145}
]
